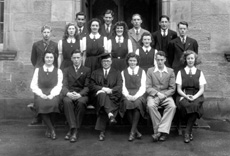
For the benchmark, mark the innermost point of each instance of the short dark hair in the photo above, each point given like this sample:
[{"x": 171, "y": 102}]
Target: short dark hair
[
  {"x": 182, "y": 23},
  {"x": 130, "y": 55},
  {"x": 161, "y": 53},
  {"x": 76, "y": 51},
  {"x": 93, "y": 20},
  {"x": 49, "y": 52},
  {"x": 164, "y": 16},
  {"x": 81, "y": 14},
  {"x": 124, "y": 25},
  {"x": 109, "y": 12},
  {"x": 146, "y": 34},
  {"x": 46, "y": 27},
  {"x": 186, "y": 54}
]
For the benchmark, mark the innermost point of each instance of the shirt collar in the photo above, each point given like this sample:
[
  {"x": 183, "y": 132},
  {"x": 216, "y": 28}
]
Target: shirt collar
[
  {"x": 135, "y": 30},
  {"x": 108, "y": 25},
  {"x": 49, "y": 69},
  {"x": 77, "y": 67},
  {"x": 185, "y": 37},
  {"x": 166, "y": 31},
  {"x": 131, "y": 70},
  {"x": 193, "y": 69},
  {"x": 121, "y": 39},
  {"x": 157, "y": 69},
  {"x": 97, "y": 36},
  {"x": 72, "y": 39},
  {"x": 46, "y": 41},
  {"x": 144, "y": 48}
]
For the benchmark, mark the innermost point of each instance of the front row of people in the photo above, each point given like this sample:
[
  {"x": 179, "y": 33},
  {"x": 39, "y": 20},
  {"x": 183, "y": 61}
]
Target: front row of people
[{"x": 132, "y": 92}]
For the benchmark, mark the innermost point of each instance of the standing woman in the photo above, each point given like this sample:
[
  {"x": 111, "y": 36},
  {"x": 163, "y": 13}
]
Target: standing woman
[
  {"x": 119, "y": 45},
  {"x": 133, "y": 90},
  {"x": 46, "y": 85},
  {"x": 190, "y": 87},
  {"x": 93, "y": 45},
  {"x": 69, "y": 43}
]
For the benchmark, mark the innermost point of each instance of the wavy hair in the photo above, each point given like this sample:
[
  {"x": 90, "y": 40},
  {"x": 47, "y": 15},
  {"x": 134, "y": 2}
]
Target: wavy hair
[{"x": 66, "y": 34}]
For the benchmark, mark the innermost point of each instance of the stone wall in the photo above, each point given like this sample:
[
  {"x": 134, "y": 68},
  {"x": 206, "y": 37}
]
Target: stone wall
[
  {"x": 23, "y": 22},
  {"x": 209, "y": 25}
]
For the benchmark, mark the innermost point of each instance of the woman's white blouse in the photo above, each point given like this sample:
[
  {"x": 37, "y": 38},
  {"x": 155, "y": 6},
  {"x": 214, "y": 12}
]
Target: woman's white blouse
[
  {"x": 34, "y": 83},
  {"x": 202, "y": 80},
  {"x": 142, "y": 88}
]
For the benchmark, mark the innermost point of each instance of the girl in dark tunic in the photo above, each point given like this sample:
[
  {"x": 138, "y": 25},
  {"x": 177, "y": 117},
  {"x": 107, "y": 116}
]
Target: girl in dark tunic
[
  {"x": 93, "y": 45},
  {"x": 69, "y": 43},
  {"x": 119, "y": 45},
  {"x": 133, "y": 90},
  {"x": 190, "y": 87},
  {"x": 146, "y": 52},
  {"x": 47, "y": 85}
]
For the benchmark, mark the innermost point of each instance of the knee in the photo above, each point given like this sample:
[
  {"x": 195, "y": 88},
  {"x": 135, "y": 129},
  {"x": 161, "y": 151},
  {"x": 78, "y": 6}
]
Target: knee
[
  {"x": 81, "y": 105},
  {"x": 67, "y": 100},
  {"x": 151, "y": 104}
]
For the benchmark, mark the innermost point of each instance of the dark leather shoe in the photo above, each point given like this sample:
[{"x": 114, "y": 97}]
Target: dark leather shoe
[
  {"x": 138, "y": 135},
  {"x": 53, "y": 135},
  {"x": 112, "y": 120},
  {"x": 190, "y": 136},
  {"x": 163, "y": 137},
  {"x": 102, "y": 136},
  {"x": 131, "y": 136},
  {"x": 74, "y": 137},
  {"x": 156, "y": 136},
  {"x": 68, "y": 135},
  {"x": 48, "y": 134},
  {"x": 186, "y": 138}
]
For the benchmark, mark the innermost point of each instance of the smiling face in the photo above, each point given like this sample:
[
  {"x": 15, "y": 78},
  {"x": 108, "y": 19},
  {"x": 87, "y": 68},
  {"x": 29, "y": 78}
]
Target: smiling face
[
  {"x": 94, "y": 27},
  {"x": 190, "y": 59},
  {"x": 76, "y": 59},
  {"x": 80, "y": 20},
  {"x": 146, "y": 40},
  {"x": 46, "y": 34},
  {"x": 119, "y": 30},
  {"x": 49, "y": 59},
  {"x": 132, "y": 62},
  {"x": 71, "y": 30}
]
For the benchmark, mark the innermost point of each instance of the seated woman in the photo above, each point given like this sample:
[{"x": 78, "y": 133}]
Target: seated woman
[
  {"x": 119, "y": 45},
  {"x": 133, "y": 90},
  {"x": 46, "y": 85},
  {"x": 190, "y": 87}
]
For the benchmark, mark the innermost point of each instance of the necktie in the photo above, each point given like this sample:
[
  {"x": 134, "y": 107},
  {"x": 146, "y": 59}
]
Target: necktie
[
  {"x": 183, "y": 40},
  {"x": 79, "y": 30},
  {"x": 45, "y": 45},
  {"x": 76, "y": 69},
  {"x": 137, "y": 33},
  {"x": 106, "y": 74},
  {"x": 107, "y": 29},
  {"x": 164, "y": 33},
  {"x": 190, "y": 72}
]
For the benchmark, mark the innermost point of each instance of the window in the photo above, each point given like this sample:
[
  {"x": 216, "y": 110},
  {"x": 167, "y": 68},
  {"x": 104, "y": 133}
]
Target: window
[{"x": 1, "y": 22}]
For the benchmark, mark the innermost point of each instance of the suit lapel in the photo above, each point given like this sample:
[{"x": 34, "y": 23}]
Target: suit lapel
[
  {"x": 159, "y": 38},
  {"x": 41, "y": 46},
  {"x": 73, "y": 72},
  {"x": 133, "y": 34},
  {"x": 179, "y": 43},
  {"x": 188, "y": 43}
]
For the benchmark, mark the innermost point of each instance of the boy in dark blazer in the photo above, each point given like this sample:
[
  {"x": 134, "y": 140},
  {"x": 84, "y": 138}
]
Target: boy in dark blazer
[
  {"x": 75, "y": 91},
  {"x": 107, "y": 27},
  {"x": 81, "y": 28}
]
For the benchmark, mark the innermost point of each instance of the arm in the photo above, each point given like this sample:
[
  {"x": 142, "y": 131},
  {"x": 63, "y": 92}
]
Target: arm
[
  {"x": 105, "y": 45},
  {"x": 149, "y": 86},
  {"x": 85, "y": 90},
  {"x": 109, "y": 46},
  {"x": 155, "y": 62},
  {"x": 57, "y": 89},
  {"x": 124, "y": 89},
  {"x": 195, "y": 46},
  {"x": 137, "y": 52},
  {"x": 33, "y": 55},
  {"x": 93, "y": 83},
  {"x": 60, "y": 56},
  {"x": 65, "y": 88},
  {"x": 34, "y": 84},
  {"x": 130, "y": 46},
  {"x": 83, "y": 49},
  {"x": 171, "y": 86}
]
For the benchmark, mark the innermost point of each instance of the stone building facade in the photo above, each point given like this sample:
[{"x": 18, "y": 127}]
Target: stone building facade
[{"x": 209, "y": 23}]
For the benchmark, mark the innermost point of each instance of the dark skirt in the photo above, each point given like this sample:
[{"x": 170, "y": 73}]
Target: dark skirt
[
  {"x": 186, "y": 107},
  {"x": 43, "y": 106},
  {"x": 92, "y": 62},
  {"x": 119, "y": 64}
]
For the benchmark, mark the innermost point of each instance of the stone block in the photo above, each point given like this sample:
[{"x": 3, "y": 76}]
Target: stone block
[
  {"x": 2, "y": 108},
  {"x": 62, "y": 11},
  {"x": 23, "y": 41},
  {"x": 211, "y": 108},
  {"x": 21, "y": 6},
  {"x": 180, "y": 11},
  {"x": 42, "y": 7},
  {"x": 12, "y": 66},
  {"x": 4, "y": 76}
]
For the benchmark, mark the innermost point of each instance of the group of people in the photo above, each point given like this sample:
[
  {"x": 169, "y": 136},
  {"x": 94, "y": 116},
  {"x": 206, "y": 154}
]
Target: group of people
[{"x": 120, "y": 71}]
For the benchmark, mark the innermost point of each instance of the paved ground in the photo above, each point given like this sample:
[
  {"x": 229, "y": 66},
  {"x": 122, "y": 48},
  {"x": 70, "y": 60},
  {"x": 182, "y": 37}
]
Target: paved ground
[{"x": 18, "y": 139}]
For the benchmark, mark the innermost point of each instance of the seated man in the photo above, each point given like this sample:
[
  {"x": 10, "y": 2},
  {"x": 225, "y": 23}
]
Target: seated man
[
  {"x": 75, "y": 91},
  {"x": 106, "y": 83},
  {"x": 160, "y": 86}
]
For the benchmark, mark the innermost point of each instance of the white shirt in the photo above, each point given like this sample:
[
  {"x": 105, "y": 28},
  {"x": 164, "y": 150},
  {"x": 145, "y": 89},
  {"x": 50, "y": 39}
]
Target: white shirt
[
  {"x": 202, "y": 80},
  {"x": 108, "y": 69},
  {"x": 78, "y": 28},
  {"x": 137, "y": 30},
  {"x": 166, "y": 32},
  {"x": 34, "y": 83},
  {"x": 97, "y": 36},
  {"x": 181, "y": 38},
  {"x": 109, "y": 44},
  {"x": 149, "y": 48},
  {"x": 109, "y": 26},
  {"x": 160, "y": 71},
  {"x": 142, "y": 88}
]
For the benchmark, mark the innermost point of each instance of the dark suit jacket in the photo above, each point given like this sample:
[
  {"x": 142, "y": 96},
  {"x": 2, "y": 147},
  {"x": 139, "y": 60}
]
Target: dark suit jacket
[
  {"x": 104, "y": 33},
  {"x": 78, "y": 82},
  {"x": 38, "y": 50},
  {"x": 84, "y": 32},
  {"x": 165, "y": 84},
  {"x": 176, "y": 50},
  {"x": 136, "y": 39}
]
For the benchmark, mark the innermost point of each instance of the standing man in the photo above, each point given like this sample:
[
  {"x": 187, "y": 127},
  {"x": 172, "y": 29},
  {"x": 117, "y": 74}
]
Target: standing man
[
  {"x": 38, "y": 49},
  {"x": 160, "y": 86},
  {"x": 75, "y": 91},
  {"x": 136, "y": 32},
  {"x": 162, "y": 37},
  {"x": 107, "y": 27},
  {"x": 81, "y": 28},
  {"x": 179, "y": 45},
  {"x": 106, "y": 83}
]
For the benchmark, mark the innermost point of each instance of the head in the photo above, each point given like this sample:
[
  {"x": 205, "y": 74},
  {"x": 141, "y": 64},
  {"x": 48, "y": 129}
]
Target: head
[
  {"x": 49, "y": 57},
  {"x": 80, "y": 19},
  {"x": 160, "y": 59},
  {"x": 136, "y": 21},
  {"x": 94, "y": 25},
  {"x": 108, "y": 17},
  {"x": 76, "y": 57},
  {"x": 120, "y": 29},
  {"x": 106, "y": 60},
  {"x": 70, "y": 31},
  {"x": 190, "y": 58},
  {"x": 164, "y": 22},
  {"x": 146, "y": 39},
  {"x": 132, "y": 60},
  {"x": 46, "y": 32},
  {"x": 182, "y": 28}
]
